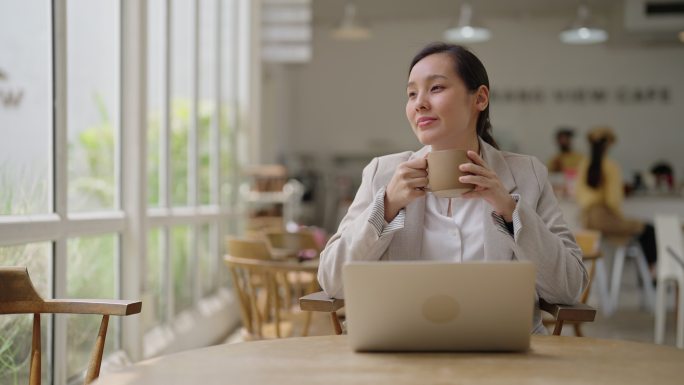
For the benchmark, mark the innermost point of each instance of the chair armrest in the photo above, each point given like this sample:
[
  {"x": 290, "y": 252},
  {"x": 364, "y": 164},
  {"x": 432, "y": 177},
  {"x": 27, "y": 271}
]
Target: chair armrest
[
  {"x": 579, "y": 312},
  {"x": 320, "y": 301},
  {"x": 592, "y": 255},
  {"x": 92, "y": 306}
]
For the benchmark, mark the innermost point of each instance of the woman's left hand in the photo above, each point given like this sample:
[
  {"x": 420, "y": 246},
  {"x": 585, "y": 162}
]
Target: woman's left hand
[{"x": 487, "y": 186}]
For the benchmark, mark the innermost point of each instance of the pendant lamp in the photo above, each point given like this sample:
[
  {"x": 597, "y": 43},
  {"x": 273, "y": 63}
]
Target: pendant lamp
[
  {"x": 350, "y": 28},
  {"x": 465, "y": 31},
  {"x": 582, "y": 31}
]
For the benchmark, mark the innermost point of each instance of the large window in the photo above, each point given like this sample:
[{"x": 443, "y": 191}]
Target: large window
[
  {"x": 72, "y": 209},
  {"x": 190, "y": 168},
  {"x": 25, "y": 174},
  {"x": 25, "y": 107},
  {"x": 92, "y": 103}
]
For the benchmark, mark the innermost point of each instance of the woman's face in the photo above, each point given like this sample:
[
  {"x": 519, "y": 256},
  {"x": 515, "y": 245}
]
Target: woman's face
[{"x": 441, "y": 110}]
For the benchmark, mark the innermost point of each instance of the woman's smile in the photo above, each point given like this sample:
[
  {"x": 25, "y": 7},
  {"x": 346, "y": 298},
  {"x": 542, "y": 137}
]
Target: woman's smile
[{"x": 425, "y": 121}]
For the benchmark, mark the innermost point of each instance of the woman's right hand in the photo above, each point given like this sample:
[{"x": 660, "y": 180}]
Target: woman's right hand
[{"x": 408, "y": 183}]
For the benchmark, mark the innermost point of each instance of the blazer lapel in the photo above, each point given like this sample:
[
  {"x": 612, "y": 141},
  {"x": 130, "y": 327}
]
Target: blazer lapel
[
  {"x": 408, "y": 242},
  {"x": 494, "y": 158},
  {"x": 495, "y": 246}
]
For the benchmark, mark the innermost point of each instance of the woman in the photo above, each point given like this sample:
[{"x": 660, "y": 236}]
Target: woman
[
  {"x": 511, "y": 214},
  {"x": 600, "y": 195}
]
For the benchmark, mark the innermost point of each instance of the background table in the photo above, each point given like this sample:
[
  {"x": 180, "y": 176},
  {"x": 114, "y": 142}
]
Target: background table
[{"x": 329, "y": 360}]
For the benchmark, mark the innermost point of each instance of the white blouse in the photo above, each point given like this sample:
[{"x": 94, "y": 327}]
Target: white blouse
[{"x": 456, "y": 238}]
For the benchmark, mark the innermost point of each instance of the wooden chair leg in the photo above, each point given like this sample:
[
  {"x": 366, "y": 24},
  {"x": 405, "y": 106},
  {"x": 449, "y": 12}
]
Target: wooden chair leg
[
  {"x": 558, "y": 328},
  {"x": 308, "y": 315},
  {"x": 256, "y": 313},
  {"x": 96, "y": 356},
  {"x": 241, "y": 289},
  {"x": 676, "y": 306},
  {"x": 587, "y": 291},
  {"x": 336, "y": 323},
  {"x": 34, "y": 376},
  {"x": 578, "y": 329},
  {"x": 272, "y": 287},
  {"x": 287, "y": 291}
]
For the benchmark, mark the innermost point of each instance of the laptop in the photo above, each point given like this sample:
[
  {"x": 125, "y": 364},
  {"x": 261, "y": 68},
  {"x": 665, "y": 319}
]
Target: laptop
[{"x": 438, "y": 306}]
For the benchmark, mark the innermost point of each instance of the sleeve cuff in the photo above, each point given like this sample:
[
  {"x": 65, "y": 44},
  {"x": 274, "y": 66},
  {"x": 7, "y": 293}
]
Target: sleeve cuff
[
  {"x": 509, "y": 228},
  {"x": 377, "y": 216}
]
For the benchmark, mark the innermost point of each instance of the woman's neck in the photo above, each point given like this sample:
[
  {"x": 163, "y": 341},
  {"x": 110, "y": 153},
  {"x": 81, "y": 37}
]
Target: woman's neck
[
  {"x": 471, "y": 143},
  {"x": 474, "y": 144}
]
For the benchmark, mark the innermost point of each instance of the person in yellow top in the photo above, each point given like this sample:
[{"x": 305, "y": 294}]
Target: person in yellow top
[
  {"x": 599, "y": 193},
  {"x": 567, "y": 159}
]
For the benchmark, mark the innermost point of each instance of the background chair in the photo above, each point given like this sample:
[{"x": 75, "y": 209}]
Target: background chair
[
  {"x": 254, "y": 283},
  {"x": 18, "y": 296},
  {"x": 303, "y": 245},
  {"x": 300, "y": 241},
  {"x": 262, "y": 290},
  {"x": 668, "y": 230},
  {"x": 320, "y": 302},
  {"x": 629, "y": 247},
  {"x": 589, "y": 242}
]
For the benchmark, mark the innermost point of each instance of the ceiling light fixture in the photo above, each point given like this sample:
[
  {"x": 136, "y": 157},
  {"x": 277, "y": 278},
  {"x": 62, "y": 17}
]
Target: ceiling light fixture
[
  {"x": 350, "y": 28},
  {"x": 681, "y": 36},
  {"x": 582, "y": 31},
  {"x": 465, "y": 31}
]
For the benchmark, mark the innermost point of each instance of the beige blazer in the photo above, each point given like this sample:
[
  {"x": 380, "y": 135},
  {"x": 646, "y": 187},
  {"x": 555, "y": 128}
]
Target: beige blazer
[{"x": 541, "y": 234}]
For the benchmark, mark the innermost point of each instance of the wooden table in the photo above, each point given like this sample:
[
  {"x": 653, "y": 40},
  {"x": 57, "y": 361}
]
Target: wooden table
[{"x": 329, "y": 360}]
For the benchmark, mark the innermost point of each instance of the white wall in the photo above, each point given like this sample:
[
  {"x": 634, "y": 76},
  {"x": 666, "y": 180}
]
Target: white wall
[{"x": 350, "y": 98}]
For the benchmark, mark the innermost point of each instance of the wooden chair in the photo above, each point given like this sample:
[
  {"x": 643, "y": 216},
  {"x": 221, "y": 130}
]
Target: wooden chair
[
  {"x": 259, "y": 289},
  {"x": 589, "y": 242},
  {"x": 18, "y": 296},
  {"x": 320, "y": 302},
  {"x": 249, "y": 279},
  {"x": 301, "y": 240},
  {"x": 295, "y": 245}
]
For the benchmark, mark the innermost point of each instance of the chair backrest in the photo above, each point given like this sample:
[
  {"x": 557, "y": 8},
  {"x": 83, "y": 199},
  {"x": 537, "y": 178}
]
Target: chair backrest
[
  {"x": 302, "y": 240},
  {"x": 250, "y": 279},
  {"x": 19, "y": 296},
  {"x": 669, "y": 239},
  {"x": 589, "y": 242},
  {"x": 248, "y": 248},
  {"x": 15, "y": 286}
]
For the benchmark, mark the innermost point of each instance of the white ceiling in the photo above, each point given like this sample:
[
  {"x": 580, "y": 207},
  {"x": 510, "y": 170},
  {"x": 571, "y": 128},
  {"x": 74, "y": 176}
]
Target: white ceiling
[
  {"x": 608, "y": 13},
  {"x": 330, "y": 11}
]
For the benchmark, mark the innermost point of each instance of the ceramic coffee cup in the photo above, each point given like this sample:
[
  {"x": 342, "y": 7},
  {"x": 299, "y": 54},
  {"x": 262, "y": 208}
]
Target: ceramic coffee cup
[{"x": 443, "y": 173}]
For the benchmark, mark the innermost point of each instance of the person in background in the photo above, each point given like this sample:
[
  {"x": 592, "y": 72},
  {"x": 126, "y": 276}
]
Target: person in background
[
  {"x": 599, "y": 193},
  {"x": 511, "y": 214},
  {"x": 566, "y": 159}
]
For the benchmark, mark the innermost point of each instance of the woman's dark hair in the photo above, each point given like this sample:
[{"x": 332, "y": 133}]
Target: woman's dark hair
[
  {"x": 473, "y": 73},
  {"x": 595, "y": 173}
]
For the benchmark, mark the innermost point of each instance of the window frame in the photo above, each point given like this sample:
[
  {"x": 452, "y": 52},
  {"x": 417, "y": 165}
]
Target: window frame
[{"x": 131, "y": 218}]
